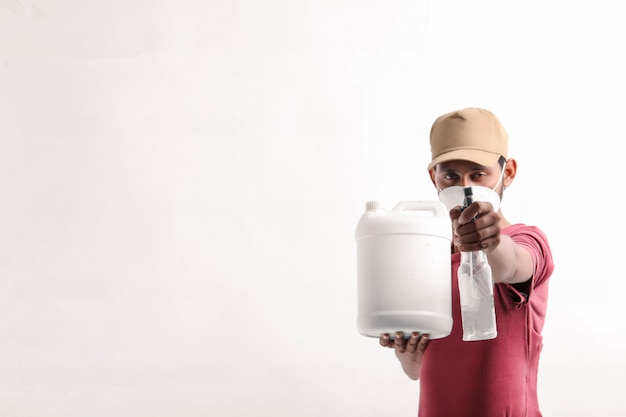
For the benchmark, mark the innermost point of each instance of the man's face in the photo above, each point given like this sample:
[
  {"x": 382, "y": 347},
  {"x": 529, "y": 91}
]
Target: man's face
[{"x": 465, "y": 174}]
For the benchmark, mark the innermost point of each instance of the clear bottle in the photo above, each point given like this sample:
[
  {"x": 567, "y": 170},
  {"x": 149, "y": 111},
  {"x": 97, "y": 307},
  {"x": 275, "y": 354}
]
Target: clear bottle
[{"x": 476, "y": 291}]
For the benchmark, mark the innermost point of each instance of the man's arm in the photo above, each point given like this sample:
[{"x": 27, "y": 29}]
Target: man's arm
[{"x": 478, "y": 227}]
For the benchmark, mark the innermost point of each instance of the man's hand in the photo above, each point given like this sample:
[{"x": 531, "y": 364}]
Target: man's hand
[
  {"x": 476, "y": 228},
  {"x": 409, "y": 351}
]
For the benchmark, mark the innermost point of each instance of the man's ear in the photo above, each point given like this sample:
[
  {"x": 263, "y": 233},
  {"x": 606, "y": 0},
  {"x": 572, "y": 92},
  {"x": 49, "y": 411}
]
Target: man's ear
[
  {"x": 432, "y": 176},
  {"x": 510, "y": 171}
]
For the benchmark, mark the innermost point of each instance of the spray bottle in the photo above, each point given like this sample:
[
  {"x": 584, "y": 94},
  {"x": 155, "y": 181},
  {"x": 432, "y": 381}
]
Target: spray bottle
[{"x": 476, "y": 291}]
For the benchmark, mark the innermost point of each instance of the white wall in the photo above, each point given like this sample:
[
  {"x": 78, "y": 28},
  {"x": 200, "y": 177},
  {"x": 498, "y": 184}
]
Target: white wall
[{"x": 181, "y": 183}]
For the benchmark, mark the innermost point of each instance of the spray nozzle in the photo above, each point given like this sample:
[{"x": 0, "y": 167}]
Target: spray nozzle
[{"x": 467, "y": 191}]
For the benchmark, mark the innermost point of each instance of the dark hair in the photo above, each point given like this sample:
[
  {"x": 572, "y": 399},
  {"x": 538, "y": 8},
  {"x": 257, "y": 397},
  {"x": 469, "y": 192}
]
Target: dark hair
[{"x": 502, "y": 161}]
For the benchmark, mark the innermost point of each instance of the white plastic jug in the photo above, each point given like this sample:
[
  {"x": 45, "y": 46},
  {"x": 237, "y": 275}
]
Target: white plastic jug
[{"x": 403, "y": 269}]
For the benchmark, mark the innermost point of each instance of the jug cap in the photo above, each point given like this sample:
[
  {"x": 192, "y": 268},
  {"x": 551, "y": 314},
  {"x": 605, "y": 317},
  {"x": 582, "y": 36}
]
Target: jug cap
[{"x": 374, "y": 205}]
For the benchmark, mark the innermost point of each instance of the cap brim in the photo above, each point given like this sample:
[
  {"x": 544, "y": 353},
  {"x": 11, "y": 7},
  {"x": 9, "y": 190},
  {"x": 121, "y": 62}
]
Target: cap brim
[{"x": 480, "y": 157}]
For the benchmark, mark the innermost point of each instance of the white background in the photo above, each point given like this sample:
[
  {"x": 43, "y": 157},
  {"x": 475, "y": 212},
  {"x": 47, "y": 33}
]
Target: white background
[{"x": 181, "y": 183}]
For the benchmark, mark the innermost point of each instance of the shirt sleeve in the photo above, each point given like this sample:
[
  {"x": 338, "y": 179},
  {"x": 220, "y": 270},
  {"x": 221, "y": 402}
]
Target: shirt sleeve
[{"x": 536, "y": 243}]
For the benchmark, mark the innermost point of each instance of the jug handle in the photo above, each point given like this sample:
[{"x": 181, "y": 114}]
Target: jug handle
[{"x": 436, "y": 208}]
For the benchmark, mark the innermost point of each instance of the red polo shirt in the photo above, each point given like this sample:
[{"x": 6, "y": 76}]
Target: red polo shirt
[{"x": 498, "y": 377}]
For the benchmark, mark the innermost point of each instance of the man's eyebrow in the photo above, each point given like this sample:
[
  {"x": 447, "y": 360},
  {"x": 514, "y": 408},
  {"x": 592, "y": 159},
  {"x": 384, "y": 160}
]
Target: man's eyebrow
[{"x": 478, "y": 167}]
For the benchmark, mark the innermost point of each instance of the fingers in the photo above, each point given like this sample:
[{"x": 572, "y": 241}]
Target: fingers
[
  {"x": 423, "y": 343},
  {"x": 398, "y": 342},
  {"x": 414, "y": 343},
  {"x": 385, "y": 340},
  {"x": 481, "y": 234},
  {"x": 484, "y": 239},
  {"x": 417, "y": 343},
  {"x": 475, "y": 210}
]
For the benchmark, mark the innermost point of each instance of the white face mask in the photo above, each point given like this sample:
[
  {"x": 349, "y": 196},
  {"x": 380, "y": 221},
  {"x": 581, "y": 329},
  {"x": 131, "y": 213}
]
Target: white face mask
[{"x": 455, "y": 195}]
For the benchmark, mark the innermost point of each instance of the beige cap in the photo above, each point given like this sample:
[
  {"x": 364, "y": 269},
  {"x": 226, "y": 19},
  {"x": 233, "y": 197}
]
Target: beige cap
[{"x": 470, "y": 134}]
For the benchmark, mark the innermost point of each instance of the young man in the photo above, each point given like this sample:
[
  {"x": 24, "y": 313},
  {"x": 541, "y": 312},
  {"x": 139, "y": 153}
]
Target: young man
[{"x": 496, "y": 377}]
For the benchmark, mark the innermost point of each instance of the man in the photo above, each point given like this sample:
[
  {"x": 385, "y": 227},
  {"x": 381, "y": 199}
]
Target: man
[{"x": 487, "y": 378}]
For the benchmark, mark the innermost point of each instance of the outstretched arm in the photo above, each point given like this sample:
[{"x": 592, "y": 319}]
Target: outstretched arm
[{"x": 479, "y": 227}]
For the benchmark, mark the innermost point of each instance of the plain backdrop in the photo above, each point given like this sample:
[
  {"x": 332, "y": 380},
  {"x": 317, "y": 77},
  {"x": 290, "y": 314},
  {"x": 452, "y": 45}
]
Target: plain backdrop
[{"x": 180, "y": 184}]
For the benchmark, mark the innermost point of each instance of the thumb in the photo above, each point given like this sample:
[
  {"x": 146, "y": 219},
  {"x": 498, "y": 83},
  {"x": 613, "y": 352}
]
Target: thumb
[{"x": 455, "y": 213}]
